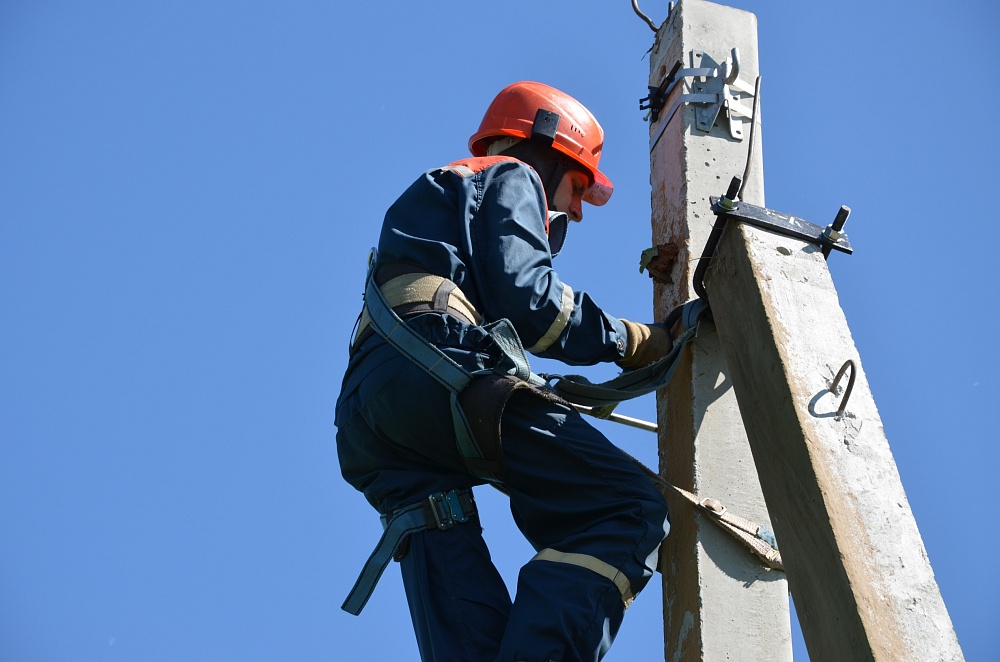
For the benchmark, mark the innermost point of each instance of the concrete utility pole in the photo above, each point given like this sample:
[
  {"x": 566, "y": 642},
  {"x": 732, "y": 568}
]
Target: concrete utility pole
[
  {"x": 856, "y": 565},
  {"x": 720, "y": 601}
]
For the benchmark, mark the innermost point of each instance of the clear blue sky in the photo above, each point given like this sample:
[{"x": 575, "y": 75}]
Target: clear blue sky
[{"x": 187, "y": 194}]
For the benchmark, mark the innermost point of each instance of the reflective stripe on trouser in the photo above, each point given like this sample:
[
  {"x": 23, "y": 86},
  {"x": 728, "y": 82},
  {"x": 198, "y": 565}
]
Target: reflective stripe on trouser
[
  {"x": 570, "y": 490},
  {"x": 594, "y": 564}
]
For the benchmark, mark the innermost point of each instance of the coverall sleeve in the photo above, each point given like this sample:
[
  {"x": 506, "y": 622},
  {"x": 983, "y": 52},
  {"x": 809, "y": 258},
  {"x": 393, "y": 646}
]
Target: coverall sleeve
[{"x": 515, "y": 278}]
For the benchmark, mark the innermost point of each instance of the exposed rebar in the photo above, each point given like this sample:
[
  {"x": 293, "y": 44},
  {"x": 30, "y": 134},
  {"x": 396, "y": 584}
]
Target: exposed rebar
[
  {"x": 850, "y": 385},
  {"x": 649, "y": 21}
]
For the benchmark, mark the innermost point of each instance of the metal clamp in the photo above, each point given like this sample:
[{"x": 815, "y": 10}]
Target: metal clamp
[
  {"x": 446, "y": 507},
  {"x": 715, "y": 87}
]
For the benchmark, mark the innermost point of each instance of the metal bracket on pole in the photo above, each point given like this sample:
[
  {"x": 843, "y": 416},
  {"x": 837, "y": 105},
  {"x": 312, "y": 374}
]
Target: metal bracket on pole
[
  {"x": 828, "y": 238},
  {"x": 714, "y": 88},
  {"x": 728, "y": 207}
]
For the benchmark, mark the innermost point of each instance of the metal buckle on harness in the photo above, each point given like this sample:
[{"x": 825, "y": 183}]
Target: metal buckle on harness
[{"x": 446, "y": 507}]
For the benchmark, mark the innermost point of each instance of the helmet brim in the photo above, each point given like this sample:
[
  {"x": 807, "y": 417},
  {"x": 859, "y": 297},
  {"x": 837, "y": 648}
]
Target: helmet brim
[{"x": 600, "y": 191}]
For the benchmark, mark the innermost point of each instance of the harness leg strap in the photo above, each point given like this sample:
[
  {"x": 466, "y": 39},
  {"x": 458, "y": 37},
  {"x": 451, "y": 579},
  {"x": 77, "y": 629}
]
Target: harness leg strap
[{"x": 438, "y": 511}]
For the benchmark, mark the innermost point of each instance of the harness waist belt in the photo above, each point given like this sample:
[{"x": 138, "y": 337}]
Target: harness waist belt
[{"x": 414, "y": 293}]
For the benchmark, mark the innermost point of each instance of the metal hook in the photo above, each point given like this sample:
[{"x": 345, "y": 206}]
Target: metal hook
[
  {"x": 734, "y": 71},
  {"x": 850, "y": 385},
  {"x": 649, "y": 22}
]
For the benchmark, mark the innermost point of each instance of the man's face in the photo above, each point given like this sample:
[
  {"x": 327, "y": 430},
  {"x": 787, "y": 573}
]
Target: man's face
[{"x": 569, "y": 194}]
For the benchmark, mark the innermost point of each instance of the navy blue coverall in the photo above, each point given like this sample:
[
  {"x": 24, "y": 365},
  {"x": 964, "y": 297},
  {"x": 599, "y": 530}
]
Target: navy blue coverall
[{"x": 572, "y": 493}]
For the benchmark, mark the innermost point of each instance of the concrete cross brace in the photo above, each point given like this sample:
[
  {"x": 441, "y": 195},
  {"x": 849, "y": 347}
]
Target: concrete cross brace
[{"x": 856, "y": 565}]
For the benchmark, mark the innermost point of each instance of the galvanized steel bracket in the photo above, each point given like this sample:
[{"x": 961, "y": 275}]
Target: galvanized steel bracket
[{"x": 716, "y": 89}]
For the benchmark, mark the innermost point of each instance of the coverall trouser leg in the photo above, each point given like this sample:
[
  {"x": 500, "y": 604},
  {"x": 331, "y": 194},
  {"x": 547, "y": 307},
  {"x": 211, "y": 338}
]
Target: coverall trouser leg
[
  {"x": 396, "y": 443},
  {"x": 574, "y": 492},
  {"x": 571, "y": 491}
]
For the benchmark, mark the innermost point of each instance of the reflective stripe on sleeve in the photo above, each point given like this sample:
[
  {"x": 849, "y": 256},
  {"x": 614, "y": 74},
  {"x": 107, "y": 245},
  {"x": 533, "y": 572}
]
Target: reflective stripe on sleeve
[
  {"x": 593, "y": 564},
  {"x": 559, "y": 324}
]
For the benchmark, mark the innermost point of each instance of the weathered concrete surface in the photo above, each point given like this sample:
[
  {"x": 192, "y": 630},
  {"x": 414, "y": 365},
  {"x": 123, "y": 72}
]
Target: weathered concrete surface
[
  {"x": 863, "y": 586},
  {"x": 720, "y": 602}
]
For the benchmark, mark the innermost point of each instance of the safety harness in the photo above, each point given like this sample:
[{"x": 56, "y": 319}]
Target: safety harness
[
  {"x": 440, "y": 511},
  {"x": 477, "y": 399},
  {"x": 477, "y": 428}
]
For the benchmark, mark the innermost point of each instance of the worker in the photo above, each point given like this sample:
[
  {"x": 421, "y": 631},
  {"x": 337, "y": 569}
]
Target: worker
[{"x": 465, "y": 246}]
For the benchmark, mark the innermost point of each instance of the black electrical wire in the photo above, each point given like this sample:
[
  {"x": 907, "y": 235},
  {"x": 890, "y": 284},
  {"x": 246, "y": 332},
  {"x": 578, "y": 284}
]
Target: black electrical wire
[{"x": 754, "y": 119}]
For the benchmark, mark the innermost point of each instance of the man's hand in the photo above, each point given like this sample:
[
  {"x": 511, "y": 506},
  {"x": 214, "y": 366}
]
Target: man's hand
[{"x": 646, "y": 343}]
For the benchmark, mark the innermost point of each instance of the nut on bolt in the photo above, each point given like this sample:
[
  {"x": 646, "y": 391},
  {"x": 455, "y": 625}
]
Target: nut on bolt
[{"x": 728, "y": 201}]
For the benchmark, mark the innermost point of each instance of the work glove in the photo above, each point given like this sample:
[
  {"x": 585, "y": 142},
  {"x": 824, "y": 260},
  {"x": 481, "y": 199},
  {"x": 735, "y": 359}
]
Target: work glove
[{"x": 646, "y": 344}]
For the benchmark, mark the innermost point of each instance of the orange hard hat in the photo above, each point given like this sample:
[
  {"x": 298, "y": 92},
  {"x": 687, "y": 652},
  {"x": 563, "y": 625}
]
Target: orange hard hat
[{"x": 537, "y": 111}]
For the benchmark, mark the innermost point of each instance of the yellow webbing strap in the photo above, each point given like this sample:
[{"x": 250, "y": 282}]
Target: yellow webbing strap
[
  {"x": 560, "y": 322},
  {"x": 744, "y": 530},
  {"x": 420, "y": 288},
  {"x": 593, "y": 564}
]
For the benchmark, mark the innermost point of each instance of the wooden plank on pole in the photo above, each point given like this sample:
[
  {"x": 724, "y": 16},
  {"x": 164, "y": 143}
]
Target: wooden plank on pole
[{"x": 720, "y": 602}]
